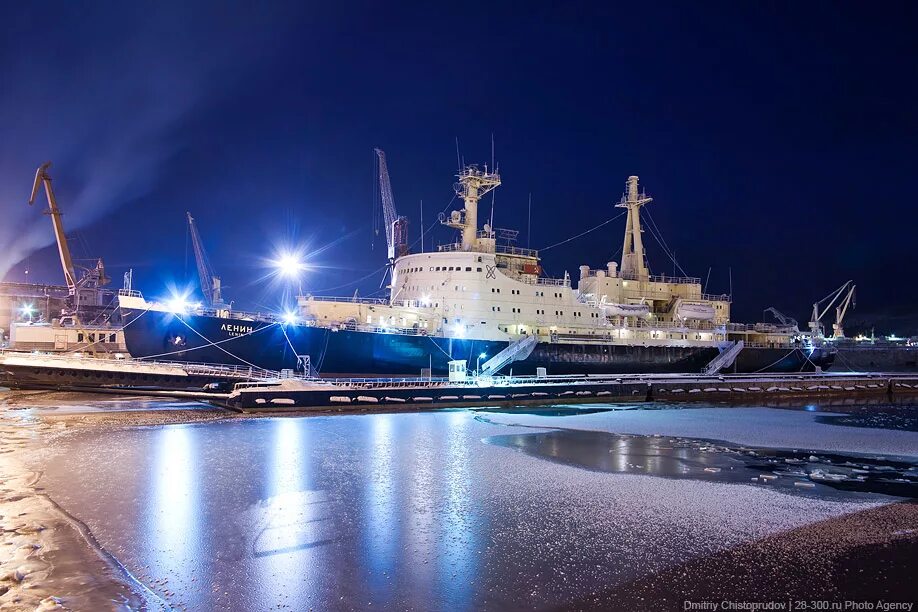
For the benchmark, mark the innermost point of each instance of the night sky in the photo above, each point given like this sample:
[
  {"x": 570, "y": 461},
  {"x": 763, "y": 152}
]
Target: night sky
[{"x": 777, "y": 139}]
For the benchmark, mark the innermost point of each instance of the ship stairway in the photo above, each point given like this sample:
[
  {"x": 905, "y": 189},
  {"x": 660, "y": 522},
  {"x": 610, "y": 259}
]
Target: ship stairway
[
  {"x": 724, "y": 359},
  {"x": 515, "y": 351}
]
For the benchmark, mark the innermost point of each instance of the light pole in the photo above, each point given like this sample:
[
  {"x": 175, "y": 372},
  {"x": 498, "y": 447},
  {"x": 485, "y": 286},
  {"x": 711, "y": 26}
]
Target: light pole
[
  {"x": 27, "y": 310},
  {"x": 478, "y": 363}
]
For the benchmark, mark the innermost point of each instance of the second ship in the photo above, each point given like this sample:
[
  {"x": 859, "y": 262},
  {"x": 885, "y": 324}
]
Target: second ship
[{"x": 484, "y": 301}]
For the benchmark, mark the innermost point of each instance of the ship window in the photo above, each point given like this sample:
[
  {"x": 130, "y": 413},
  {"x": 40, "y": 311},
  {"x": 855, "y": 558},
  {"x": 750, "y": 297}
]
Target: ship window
[
  {"x": 92, "y": 337},
  {"x": 111, "y": 338},
  {"x": 479, "y": 259},
  {"x": 468, "y": 268},
  {"x": 478, "y": 269}
]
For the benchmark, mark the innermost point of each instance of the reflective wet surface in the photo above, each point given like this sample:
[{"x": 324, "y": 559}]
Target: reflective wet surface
[{"x": 448, "y": 510}]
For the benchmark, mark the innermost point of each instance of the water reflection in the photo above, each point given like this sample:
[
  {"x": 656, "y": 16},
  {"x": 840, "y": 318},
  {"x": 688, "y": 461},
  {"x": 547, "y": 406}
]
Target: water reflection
[
  {"x": 607, "y": 452},
  {"x": 458, "y": 561},
  {"x": 292, "y": 522},
  {"x": 382, "y": 532},
  {"x": 173, "y": 538}
]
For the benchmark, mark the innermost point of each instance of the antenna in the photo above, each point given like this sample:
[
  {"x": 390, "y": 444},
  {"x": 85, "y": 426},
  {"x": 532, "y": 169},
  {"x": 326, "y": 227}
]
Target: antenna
[
  {"x": 458, "y": 157},
  {"x": 493, "y": 197},
  {"x": 493, "y": 167},
  {"x": 731, "y": 282},
  {"x": 529, "y": 223},
  {"x": 422, "y": 226},
  {"x": 705, "y": 288}
]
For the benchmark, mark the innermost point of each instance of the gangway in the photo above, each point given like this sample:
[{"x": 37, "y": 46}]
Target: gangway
[
  {"x": 515, "y": 351},
  {"x": 724, "y": 359}
]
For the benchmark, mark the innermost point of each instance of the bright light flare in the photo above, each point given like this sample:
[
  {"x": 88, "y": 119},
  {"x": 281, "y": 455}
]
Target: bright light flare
[
  {"x": 289, "y": 265},
  {"x": 177, "y": 305},
  {"x": 290, "y": 318}
]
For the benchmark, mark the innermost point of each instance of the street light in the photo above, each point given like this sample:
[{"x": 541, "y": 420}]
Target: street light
[
  {"x": 478, "y": 363},
  {"x": 27, "y": 310}
]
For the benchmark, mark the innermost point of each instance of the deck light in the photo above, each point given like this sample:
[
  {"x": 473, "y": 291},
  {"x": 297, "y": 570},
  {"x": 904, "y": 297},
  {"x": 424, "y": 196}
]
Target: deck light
[
  {"x": 27, "y": 311},
  {"x": 290, "y": 317}
]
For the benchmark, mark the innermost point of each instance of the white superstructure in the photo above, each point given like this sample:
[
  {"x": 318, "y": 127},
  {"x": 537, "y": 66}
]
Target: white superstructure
[{"x": 485, "y": 287}]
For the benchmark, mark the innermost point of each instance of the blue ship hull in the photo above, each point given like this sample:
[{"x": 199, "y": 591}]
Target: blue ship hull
[{"x": 276, "y": 346}]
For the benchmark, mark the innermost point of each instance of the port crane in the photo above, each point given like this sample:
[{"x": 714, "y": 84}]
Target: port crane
[
  {"x": 396, "y": 226},
  {"x": 782, "y": 318},
  {"x": 210, "y": 282},
  {"x": 837, "y": 330},
  {"x": 819, "y": 312},
  {"x": 85, "y": 291}
]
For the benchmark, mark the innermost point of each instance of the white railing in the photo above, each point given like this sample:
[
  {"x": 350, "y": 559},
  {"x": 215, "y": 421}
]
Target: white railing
[
  {"x": 663, "y": 278},
  {"x": 499, "y": 249},
  {"x": 191, "y": 367},
  {"x": 548, "y": 282},
  {"x": 348, "y": 300}
]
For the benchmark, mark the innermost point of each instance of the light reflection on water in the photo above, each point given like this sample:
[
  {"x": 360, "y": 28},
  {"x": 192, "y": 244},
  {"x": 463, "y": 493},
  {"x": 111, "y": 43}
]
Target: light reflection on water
[
  {"x": 382, "y": 532},
  {"x": 457, "y": 555},
  {"x": 387, "y": 511},
  {"x": 402, "y": 519},
  {"x": 174, "y": 513}
]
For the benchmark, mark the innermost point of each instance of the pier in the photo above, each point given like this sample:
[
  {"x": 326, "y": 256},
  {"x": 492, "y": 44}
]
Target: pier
[{"x": 368, "y": 394}]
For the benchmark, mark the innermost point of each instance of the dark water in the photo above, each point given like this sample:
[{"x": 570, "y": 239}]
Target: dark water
[
  {"x": 413, "y": 511},
  {"x": 793, "y": 472}
]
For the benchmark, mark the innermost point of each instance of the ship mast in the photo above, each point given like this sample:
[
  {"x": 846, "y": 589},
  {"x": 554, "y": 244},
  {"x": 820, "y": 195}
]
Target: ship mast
[
  {"x": 472, "y": 185},
  {"x": 634, "y": 265}
]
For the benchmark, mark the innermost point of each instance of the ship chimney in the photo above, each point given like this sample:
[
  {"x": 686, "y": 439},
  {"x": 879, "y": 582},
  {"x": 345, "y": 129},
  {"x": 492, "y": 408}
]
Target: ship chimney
[{"x": 613, "y": 269}]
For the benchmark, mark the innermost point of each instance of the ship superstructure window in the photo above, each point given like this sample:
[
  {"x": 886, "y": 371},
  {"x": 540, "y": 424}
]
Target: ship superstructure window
[
  {"x": 478, "y": 269},
  {"x": 468, "y": 268}
]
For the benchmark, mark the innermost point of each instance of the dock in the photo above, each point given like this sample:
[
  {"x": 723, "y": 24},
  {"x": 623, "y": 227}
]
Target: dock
[{"x": 365, "y": 394}]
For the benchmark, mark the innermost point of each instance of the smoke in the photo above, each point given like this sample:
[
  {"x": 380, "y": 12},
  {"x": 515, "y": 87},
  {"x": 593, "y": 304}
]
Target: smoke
[{"x": 106, "y": 93}]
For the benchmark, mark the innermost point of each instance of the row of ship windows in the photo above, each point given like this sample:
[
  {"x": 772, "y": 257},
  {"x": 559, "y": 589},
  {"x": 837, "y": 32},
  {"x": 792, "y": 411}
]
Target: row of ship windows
[
  {"x": 442, "y": 269},
  {"x": 558, "y": 313}
]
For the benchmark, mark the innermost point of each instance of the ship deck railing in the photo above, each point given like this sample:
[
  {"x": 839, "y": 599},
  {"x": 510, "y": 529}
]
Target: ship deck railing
[
  {"x": 499, "y": 249},
  {"x": 484, "y": 383},
  {"x": 663, "y": 278},
  {"x": 190, "y": 367},
  {"x": 348, "y": 300}
]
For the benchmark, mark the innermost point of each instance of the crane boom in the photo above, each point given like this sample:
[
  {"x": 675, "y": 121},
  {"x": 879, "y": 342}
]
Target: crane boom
[
  {"x": 782, "y": 318},
  {"x": 837, "y": 330},
  {"x": 396, "y": 226},
  {"x": 815, "y": 321},
  {"x": 210, "y": 282},
  {"x": 42, "y": 178}
]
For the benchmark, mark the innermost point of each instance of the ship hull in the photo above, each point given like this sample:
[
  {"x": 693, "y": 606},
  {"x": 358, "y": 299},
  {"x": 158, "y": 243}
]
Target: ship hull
[{"x": 275, "y": 346}]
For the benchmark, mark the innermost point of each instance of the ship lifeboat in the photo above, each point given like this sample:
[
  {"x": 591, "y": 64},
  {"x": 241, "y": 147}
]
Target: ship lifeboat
[
  {"x": 626, "y": 310},
  {"x": 700, "y": 312}
]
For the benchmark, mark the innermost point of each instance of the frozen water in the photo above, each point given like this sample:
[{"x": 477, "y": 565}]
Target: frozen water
[
  {"x": 766, "y": 427},
  {"x": 413, "y": 510}
]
